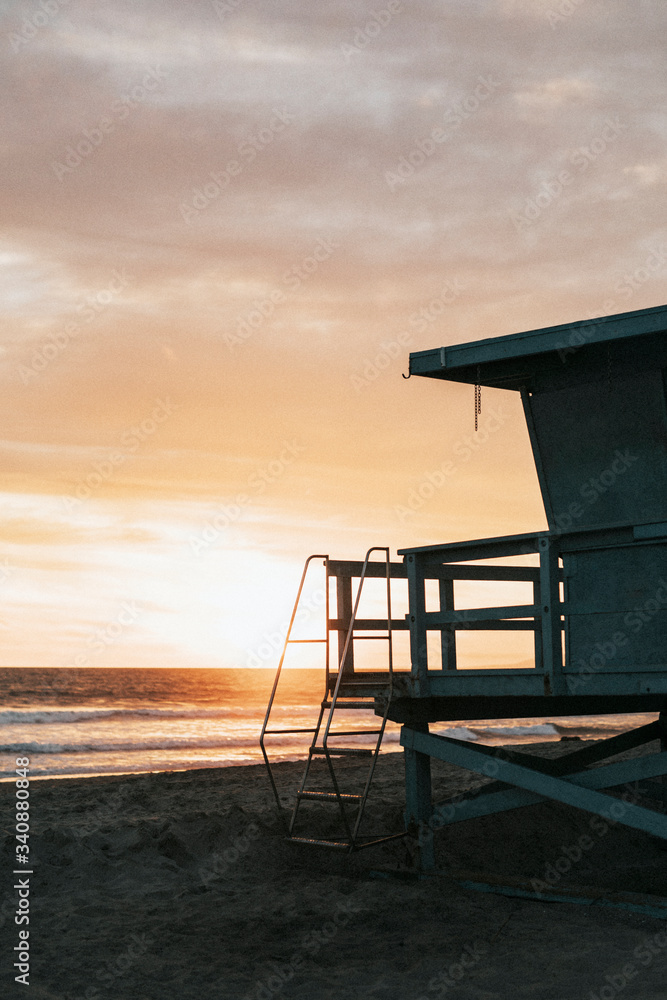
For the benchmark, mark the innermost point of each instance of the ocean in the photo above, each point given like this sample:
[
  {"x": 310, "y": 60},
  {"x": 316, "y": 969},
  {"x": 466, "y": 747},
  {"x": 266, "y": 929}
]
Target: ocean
[{"x": 84, "y": 722}]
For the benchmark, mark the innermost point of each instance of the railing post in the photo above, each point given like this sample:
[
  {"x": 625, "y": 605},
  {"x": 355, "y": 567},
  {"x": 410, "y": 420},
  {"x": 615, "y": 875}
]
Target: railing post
[
  {"x": 447, "y": 632},
  {"x": 552, "y": 650},
  {"x": 539, "y": 652},
  {"x": 417, "y": 606},
  {"x": 344, "y": 614}
]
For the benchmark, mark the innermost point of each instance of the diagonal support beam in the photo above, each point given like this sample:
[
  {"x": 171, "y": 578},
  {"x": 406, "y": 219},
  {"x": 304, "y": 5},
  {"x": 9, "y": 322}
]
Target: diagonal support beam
[
  {"x": 607, "y": 748},
  {"x": 576, "y": 759},
  {"x": 487, "y": 803},
  {"x": 575, "y": 790},
  {"x": 483, "y": 804}
]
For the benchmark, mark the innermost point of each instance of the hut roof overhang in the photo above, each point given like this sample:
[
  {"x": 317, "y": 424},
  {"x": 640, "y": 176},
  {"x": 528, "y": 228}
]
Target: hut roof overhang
[{"x": 513, "y": 361}]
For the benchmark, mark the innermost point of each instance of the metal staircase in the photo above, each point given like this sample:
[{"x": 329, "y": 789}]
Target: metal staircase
[{"x": 343, "y": 691}]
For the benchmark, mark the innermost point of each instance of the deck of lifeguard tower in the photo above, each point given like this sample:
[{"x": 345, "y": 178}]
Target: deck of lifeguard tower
[{"x": 595, "y": 402}]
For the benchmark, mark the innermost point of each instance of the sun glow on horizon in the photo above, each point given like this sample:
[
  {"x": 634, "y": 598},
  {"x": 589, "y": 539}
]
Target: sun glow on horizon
[{"x": 222, "y": 239}]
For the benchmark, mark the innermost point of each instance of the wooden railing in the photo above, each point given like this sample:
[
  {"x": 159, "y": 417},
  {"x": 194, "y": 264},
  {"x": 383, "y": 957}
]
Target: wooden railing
[{"x": 544, "y": 616}]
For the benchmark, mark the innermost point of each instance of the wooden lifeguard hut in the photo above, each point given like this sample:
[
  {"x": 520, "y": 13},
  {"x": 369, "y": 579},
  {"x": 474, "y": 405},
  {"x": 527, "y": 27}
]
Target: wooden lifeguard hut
[{"x": 594, "y": 395}]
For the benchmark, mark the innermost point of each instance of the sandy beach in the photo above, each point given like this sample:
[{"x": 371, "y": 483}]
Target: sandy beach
[{"x": 180, "y": 885}]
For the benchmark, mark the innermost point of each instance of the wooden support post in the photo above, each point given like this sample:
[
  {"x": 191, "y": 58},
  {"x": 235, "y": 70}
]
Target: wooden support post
[
  {"x": 417, "y": 605},
  {"x": 447, "y": 634},
  {"x": 552, "y": 655},
  {"x": 344, "y": 614},
  {"x": 419, "y": 802},
  {"x": 539, "y": 651}
]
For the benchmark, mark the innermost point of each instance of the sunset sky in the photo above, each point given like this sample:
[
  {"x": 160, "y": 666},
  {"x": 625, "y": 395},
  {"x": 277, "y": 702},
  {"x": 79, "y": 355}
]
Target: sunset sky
[{"x": 226, "y": 225}]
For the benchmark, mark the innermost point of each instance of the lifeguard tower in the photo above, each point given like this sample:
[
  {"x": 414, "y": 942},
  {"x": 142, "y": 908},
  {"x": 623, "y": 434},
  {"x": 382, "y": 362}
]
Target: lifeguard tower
[{"x": 594, "y": 395}]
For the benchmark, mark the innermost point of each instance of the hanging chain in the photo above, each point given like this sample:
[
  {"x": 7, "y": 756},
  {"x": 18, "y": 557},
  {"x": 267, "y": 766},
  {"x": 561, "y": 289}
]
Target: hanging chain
[{"x": 478, "y": 399}]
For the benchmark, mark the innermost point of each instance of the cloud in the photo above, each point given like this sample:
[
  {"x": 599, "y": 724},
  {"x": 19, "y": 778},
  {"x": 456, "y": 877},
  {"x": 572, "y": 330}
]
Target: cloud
[{"x": 275, "y": 137}]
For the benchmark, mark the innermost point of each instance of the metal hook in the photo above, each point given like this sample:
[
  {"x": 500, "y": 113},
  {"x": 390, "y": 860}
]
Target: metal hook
[{"x": 406, "y": 376}]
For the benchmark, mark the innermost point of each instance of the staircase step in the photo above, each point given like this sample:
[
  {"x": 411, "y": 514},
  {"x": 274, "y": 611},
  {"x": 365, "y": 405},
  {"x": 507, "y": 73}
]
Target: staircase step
[
  {"x": 328, "y": 796},
  {"x": 341, "y": 845},
  {"x": 368, "y": 705},
  {"x": 275, "y": 732},
  {"x": 356, "y": 732},
  {"x": 365, "y": 682},
  {"x": 342, "y": 752},
  {"x": 364, "y": 689}
]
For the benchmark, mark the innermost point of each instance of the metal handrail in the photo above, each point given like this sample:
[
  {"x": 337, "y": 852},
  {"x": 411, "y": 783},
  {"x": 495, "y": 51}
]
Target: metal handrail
[
  {"x": 352, "y": 834},
  {"x": 331, "y": 702},
  {"x": 279, "y": 671}
]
